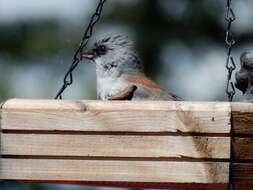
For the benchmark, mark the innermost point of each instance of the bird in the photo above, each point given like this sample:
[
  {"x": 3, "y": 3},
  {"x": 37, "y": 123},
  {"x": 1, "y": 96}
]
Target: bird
[
  {"x": 244, "y": 76},
  {"x": 120, "y": 72}
]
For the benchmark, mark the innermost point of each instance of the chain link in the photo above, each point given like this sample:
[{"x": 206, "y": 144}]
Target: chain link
[
  {"x": 230, "y": 65},
  {"x": 230, "y": 42},
  {"x": 68, "y": 78}
]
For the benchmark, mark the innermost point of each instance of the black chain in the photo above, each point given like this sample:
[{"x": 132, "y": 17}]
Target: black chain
[
  {"x": 230, "y": 42},
  {"x": 68, "y": 78},
  {"x": 230, "y": 65},
  {"x": 230, "y": 89}
]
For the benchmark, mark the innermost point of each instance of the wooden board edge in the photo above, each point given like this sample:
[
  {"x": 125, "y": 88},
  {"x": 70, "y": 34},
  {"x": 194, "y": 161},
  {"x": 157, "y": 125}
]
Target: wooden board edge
[
  {"x": 179, "y": 114},
  {"x": 114, "y": 146},
  {"x": 84, "y": 105},
  {"x": 242, "y": 118},
  {"x": 1, "y": 107},
  {"x": 241, "y": 106},
  {"x": 117, "y": 171}
]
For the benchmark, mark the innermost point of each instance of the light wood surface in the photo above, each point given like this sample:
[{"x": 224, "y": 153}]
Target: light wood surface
[
  {"x": 116, "y": 146},
  {"x": 96, "y": 142},
  {"x": 123, "y": 171},
  {"x": 105, "y": 116}
]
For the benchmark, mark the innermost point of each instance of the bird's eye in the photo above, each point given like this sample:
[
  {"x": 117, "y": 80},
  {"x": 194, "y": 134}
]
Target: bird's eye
[
  {"x": 248, "y": 66},
  {"x": 102, "y": 50}
]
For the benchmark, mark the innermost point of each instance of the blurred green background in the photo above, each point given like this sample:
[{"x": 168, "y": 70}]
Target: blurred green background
[{"x": 181, "y": 43}]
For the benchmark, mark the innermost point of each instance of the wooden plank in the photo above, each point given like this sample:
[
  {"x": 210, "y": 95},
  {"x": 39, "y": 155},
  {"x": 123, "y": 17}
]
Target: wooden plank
[
  {"x": 1, "y": 105},
  {"x": 116, "y": 146},
  {"x": 115, "y": 171},
  {"x": 123, "y": 116},
  {"x": 80, "y": 105},
  {"x": 242, "y": 118},
  {"x": 242, "y": 173},
  {"x": 243, "y": 148},
  {"x": 129, "y": 142}
]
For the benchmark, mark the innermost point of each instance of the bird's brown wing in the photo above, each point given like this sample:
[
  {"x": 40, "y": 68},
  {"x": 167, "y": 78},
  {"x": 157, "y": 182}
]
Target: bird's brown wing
[
  {"x": 143, "y": 81},
  {"x": 126, "y": 94},
  {"x": 148, "y": 83}
]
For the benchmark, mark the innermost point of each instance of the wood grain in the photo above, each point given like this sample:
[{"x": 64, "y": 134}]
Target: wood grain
[
  {"x": 121, "y": 171},
  {"x": 243, "y": 148},
  {"x": 80, "y": 105},
  {"x": 125, "y": 142},
  {"x": 116, "y": 146},
  {"x": 242, "y": 173},
  {"x": 124, "y": 116},
  {"x": 242, "y": 118}
]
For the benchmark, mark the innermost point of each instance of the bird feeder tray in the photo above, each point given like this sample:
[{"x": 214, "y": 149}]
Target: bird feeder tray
[{"x": 126, "y": 143}]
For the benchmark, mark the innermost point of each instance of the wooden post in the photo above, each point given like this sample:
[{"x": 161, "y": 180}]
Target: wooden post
[{"x": 126, "y": 143}]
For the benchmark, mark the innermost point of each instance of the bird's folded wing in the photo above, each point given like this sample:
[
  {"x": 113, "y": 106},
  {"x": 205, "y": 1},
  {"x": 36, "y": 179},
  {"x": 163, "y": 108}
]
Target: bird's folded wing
[{"x": 126, "y": 94}]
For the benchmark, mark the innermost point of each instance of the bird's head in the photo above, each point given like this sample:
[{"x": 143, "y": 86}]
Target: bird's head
[{"x": 114, "y": 56}]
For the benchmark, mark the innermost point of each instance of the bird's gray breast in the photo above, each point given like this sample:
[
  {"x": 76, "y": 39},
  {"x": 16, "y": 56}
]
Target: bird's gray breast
[{"x": 108, "y": 87}]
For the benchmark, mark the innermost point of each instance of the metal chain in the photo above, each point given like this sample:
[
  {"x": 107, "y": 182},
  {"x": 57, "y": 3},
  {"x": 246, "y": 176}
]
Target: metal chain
[
  {"x": 230, "y": 65},
  {"x": 68, "y": 78},
  {"x": 230, "y": 42}
]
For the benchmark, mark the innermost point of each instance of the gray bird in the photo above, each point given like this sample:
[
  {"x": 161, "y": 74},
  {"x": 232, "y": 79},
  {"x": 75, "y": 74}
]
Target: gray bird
[
  {"x": 244, "y": 77},
  {"x": 120, "y": 74}
]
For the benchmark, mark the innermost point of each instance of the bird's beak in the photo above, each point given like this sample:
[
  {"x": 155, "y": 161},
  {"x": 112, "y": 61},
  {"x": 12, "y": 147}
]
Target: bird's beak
[{"x": 88, "y": 54}]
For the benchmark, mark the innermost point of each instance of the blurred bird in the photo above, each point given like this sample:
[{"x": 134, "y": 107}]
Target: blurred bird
[
  {"x": 120, "y": 74},
  {"x": 244, "y": 77}
]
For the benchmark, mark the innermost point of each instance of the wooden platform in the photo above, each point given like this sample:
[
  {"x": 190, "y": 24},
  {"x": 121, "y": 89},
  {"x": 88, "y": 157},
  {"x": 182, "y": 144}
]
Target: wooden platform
[{"x": 124, "y": 143}]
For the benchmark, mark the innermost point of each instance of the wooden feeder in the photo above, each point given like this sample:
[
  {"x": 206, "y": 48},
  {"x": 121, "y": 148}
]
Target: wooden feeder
[{"x": 147, "y": 144}]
